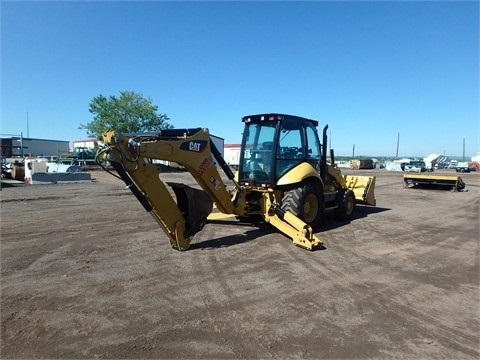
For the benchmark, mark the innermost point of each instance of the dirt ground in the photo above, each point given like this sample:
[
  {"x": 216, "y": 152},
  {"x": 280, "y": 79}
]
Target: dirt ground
[{"x": 87, "y": 273}]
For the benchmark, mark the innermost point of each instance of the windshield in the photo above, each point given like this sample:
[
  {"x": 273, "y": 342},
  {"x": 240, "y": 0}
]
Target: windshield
[{"x": 257, "y": 155}]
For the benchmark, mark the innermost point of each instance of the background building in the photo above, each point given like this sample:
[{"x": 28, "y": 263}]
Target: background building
[
  {"x": 20, "y": 146},
  {"x": 88, "y": 143},
  {"x": 232, "y": 154}
]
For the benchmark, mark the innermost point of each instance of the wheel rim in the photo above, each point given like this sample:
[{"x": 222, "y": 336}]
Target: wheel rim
[
  {"x": 349, "y": 204},
  {"x": 310, "y": 208}
]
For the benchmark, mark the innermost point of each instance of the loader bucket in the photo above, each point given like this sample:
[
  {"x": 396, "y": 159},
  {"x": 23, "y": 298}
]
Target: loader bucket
[
  {"x": 195, "y": 206},
  {"x": 363, "y": 187}
]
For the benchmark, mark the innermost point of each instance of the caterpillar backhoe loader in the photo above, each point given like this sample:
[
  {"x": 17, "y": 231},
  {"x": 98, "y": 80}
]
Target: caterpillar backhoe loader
[{"x": 283, "y": 178}]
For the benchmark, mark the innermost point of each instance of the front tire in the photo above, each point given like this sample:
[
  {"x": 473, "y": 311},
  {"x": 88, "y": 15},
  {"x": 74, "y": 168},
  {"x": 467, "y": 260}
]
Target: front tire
[
  {"x": 346, "y": 205},
  {"x": 305, "y": 202}
]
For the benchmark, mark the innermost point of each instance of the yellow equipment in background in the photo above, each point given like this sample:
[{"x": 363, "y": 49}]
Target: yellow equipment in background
[{"x": 433, "y": 181}]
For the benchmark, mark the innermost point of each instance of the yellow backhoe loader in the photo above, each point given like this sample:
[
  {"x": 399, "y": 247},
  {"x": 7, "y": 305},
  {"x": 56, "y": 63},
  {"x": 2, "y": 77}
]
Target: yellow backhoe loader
[{"x": 283, "y": 178}]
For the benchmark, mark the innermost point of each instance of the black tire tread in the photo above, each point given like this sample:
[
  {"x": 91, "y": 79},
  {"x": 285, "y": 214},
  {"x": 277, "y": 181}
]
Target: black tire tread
[
  {"x": 341, "y": 212},
  {"x": 292, "y": 201}
]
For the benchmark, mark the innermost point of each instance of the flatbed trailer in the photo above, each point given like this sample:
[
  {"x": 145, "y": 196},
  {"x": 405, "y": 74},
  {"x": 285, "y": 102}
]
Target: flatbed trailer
[{"x": 434, "y": 181}]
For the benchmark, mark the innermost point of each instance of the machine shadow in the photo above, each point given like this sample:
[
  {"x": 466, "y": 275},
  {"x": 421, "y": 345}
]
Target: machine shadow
[
  {"x": 260, "y": 229},
  {"x": 361, "y": 211},
  {"x": 237, "y": 239}
]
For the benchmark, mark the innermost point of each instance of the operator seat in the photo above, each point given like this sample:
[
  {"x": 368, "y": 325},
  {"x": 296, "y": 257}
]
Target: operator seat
[{"x": 267, "y": 155}]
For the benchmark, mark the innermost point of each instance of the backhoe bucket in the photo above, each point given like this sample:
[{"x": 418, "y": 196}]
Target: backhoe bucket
[
  {"x": 363, "y": 187},
  {"x": 195, "y": 206}
]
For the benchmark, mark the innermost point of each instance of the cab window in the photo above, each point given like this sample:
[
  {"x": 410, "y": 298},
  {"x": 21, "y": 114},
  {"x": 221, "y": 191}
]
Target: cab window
[
  {"x": 313, "y": 146},
  {"x": 290, "y": 147}
]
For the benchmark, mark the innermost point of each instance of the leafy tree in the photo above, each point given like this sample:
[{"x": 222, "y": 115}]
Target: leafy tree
[{"x": 129, "y": 113}]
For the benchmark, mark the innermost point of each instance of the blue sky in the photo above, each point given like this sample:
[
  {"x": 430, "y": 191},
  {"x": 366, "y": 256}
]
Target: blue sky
[{"x": 369, "y": 69}]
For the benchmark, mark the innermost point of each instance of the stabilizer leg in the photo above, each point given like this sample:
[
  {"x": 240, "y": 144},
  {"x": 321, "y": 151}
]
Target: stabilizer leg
[{"x": 301, "y": 233}]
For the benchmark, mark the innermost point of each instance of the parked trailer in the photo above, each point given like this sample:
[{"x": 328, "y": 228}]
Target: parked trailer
[
  {"x": 434, "y": 181},
  {"x": 38, "y": 171}
]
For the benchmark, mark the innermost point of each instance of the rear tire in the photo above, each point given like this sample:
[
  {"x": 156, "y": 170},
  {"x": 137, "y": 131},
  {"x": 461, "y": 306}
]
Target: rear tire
[
  {"x": 346, "y": 205},
  {"x": 305, "y": 202}
]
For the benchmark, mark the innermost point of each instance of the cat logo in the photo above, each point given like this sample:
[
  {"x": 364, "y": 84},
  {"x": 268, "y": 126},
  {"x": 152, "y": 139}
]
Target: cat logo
[{"x": 196, "y": 146}]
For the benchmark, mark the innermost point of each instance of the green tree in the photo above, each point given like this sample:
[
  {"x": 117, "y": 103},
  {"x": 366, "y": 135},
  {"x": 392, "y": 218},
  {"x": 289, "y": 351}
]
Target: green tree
[{"x": 129, "y": 113}]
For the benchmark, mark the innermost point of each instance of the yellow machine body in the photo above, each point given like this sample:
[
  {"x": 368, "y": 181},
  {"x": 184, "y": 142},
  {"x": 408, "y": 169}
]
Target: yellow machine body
[
  {"x": 287, "y": 185},
  {"x": 131, "y": 157}
]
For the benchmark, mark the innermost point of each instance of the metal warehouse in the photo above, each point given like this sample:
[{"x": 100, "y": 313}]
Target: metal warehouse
[{"x": 20, "y": 146}]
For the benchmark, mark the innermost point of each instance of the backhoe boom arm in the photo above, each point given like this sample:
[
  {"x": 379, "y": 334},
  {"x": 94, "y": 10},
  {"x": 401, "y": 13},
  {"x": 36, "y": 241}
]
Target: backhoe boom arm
[{"x": 131, "y": 156}]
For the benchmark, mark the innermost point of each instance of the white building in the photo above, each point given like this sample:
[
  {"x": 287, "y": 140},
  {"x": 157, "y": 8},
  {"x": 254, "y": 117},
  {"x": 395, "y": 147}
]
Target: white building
[
  {"x": 232, "y": 154},
  {"x": 89, "y": 143}
]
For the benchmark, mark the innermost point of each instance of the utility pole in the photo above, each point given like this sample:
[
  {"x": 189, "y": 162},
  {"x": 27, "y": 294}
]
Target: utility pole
[
  {"x": 398, "y": 142},
  {"x": 353, "y": 151},
  {"x": 28, "y": 130},
  {"x": 463, "y": 154},
  {"x": 21, "y": 144}
]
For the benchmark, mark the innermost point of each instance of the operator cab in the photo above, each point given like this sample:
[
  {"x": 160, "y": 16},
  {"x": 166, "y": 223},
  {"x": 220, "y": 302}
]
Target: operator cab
[{"x": 274, "y": 144}]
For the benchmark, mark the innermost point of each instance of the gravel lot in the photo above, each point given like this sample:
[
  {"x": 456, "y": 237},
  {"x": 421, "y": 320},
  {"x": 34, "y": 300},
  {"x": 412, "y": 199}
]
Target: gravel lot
[{"x": 87, "y": 273}]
